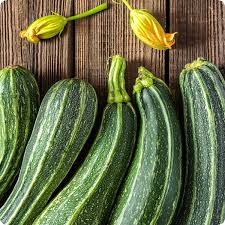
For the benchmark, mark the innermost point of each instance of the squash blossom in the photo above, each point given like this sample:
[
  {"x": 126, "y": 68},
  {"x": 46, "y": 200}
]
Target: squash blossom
[
  {"x": 49, "y": 26},
  {"x": 148, "y": 29}
]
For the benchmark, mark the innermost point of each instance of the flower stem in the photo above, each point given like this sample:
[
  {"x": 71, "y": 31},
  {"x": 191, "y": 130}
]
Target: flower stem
[
  {"x": 89, "y": 12},
  {"x": 127, "y": 4}
]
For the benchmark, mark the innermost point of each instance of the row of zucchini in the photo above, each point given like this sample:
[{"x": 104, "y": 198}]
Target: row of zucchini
[{"x": 134, "y": 172}]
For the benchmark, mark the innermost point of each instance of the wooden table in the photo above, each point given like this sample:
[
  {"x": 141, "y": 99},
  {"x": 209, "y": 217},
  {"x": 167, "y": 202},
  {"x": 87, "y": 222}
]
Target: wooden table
[{"x": 85, "y": 46}]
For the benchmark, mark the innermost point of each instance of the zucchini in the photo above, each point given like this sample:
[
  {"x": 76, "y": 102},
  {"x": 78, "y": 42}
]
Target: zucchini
[
  {"x": 19, "y": 103},
  {"x": 89, "y": 197},
  {"x": 63, "y": 124},
  {"x": 203, "y": 92},
  {"x": 151, "y": 190}
]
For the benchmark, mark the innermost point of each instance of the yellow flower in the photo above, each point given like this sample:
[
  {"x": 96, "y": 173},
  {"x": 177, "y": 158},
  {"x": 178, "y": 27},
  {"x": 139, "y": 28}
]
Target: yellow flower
[
  {"x": 44, "y": 28},
  {"x": 148, "y": 29},
  {"x": 49, "y": 26}
]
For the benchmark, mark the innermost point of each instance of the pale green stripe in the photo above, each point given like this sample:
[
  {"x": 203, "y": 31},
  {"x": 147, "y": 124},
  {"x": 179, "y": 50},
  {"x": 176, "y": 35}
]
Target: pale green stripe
[
  {"x": 214, "y": 159},
  {"x": 170, "y": 155},
  {"x": 28, "y": 106},
  {"x": 2, "y": 135},
  {"x": 182, "y": 87},
  {"x": 170, "y": 220},
  {"x": 189, "y": 102}
]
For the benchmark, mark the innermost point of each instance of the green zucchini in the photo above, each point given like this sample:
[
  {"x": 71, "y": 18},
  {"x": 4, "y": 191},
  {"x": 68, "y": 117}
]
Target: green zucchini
[
  {"x": 19, "y": 103},
  {"x": 203, "y": 92},
  {"x": 63, "y": 124},
  {"x": 89, "y": 197},
  {"x": 151, "y": 190}
]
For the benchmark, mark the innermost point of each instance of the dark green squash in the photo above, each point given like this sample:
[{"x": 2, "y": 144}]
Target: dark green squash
[
  {"x": 63, "y": 124},
  {"x": 19, "y": 103},
  {"x": 203, "y": 92}
]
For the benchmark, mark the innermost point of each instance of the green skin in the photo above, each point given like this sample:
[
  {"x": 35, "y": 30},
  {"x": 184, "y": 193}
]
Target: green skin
[
  {"x": 151, "y": 189},
  {"x": 203, "y": 92},
  {"x": 64, "y": 122},
  {"x": 19, "y": 104},
  {"x": 89, "y": 197}
]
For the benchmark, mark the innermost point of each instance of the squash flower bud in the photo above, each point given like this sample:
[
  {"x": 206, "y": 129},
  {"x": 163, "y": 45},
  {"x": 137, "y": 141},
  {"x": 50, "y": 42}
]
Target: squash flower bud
[
  {"x": 148, "y": 29},
  {"x": 49, "y": 26},
  {"x": 44, "y": 28}
]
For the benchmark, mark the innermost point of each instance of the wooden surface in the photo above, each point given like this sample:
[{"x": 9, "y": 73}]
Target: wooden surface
[{"x": 83, "y": 49}]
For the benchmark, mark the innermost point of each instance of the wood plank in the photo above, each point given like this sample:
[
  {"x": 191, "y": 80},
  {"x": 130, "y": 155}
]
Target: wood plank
[
  {"x": 109, "y": 33},
  {"x": 51, "y": 60},
  {"x": 13, "y": 16},
  {"x": 201, "y": 28}
]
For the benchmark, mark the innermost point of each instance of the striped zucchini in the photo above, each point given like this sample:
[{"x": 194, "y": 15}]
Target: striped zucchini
[
  {"x": 88, "y": 198},
  {"x": 19, "y": 103},
  {"x": 63, "y": 124},
  {"x": 151, "y": 190},
  {"x": 203, "y": 93}
]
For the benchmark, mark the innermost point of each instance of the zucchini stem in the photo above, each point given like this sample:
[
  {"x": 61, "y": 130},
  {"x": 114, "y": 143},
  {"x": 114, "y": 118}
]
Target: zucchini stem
[
  {"x": 144, "y": 80},
  {"x": 196, "y": 64},
  {"x": 116, "y": 82},
  {"x": 93, "y": 11}
]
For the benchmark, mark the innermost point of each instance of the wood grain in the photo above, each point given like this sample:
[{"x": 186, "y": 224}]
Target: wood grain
[
  {"x": 53, "y": 59},
  {"x": 201, "y": 28},
  {"x": 50, "y": 60},
  {"x": 85, "y": 46},
  {"x": 13, "y": 15},
  {"x": 109, "y": 33}
]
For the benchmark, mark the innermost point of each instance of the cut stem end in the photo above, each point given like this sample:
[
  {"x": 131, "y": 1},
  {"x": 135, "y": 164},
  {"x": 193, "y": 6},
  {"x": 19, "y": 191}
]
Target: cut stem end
[{"x": 144, "y": 80}]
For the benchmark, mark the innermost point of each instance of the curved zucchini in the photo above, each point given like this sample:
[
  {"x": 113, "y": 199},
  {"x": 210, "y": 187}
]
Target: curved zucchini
[
  {"x": 19, "y": 103},
  {"x": 151, "y": 189},
  {"x": 63, "y": 124},
  {"x": 203, "y": 93},
  {"x": 89, "y": 197}
]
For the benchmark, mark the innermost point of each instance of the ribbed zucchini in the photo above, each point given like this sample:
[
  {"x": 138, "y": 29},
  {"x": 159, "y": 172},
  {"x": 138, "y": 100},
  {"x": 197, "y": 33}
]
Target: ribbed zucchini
[
  {"x": 63, "y": 124},
  {"x": 151, "y": 189},
  {"x": 88, "y": 198},
  {"x": 203, "y": 93},
  {"x": 19, "y": 103}
]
